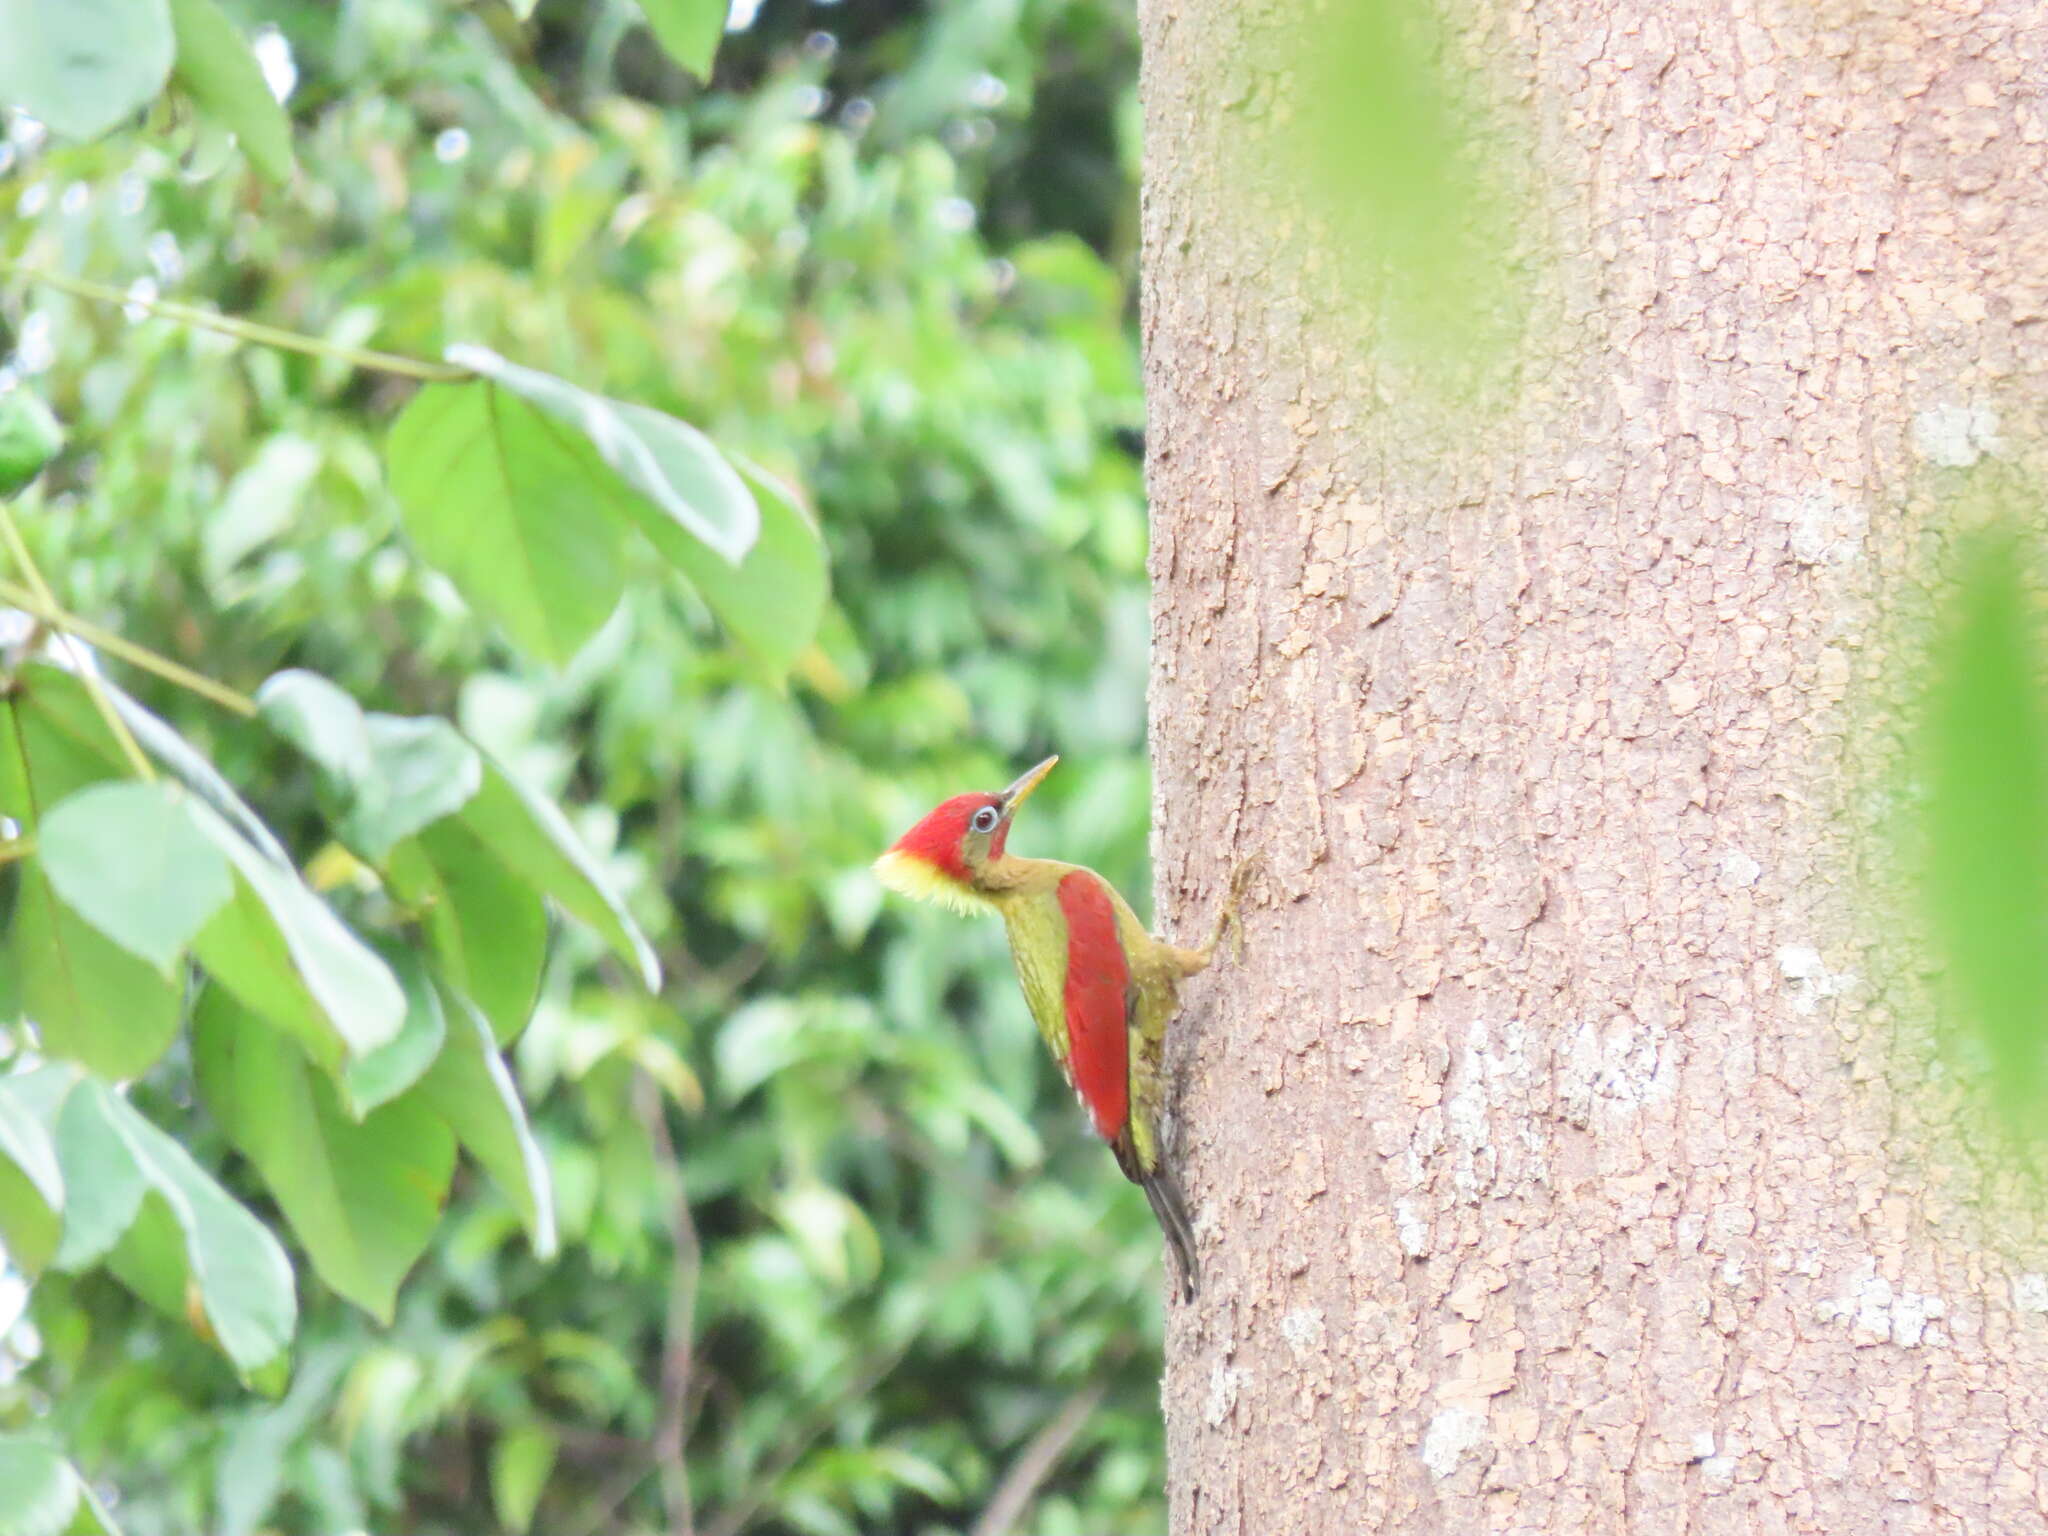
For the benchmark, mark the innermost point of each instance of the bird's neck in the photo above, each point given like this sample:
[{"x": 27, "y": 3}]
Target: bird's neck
[{"x": 1010, "y": 878}]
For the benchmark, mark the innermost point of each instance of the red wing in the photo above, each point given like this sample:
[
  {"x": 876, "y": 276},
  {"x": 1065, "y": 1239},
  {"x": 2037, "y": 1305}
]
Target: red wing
[{"x": 1098, "y": 981}]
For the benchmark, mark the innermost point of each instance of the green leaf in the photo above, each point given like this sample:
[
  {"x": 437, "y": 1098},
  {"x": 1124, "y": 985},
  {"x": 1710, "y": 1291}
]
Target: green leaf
[
  {"x": 128, "y": 858},
  {"x": 532, "y": 839},
  {"x": 688, "y": 30},
  {"x": 212, "y": 1253},
  {"x": 30, "y": 1227},
  {"x": 192, "y": 769},
  {"x": 773, "y": 601},
  {"x": 216, "y": 68},
  {"x": 106, "y": 1186},
  {"x": 488, "y": 926},
  {"x": 30, "y": 436},
  {"x": 521, "y": 1462},
  {"x": 363, "y": 1199},
  {"x": 1986, "y": 821},
  {"x": 25, "y": 1141},
  {"x": 83, "y": 66},
  {"x": 471, "y": 1090},
  {"x": 500, "y": 500},
  {"x": 31, "y": 1181},
  {"x": 682, "y": 476},
  {"x": 278, "y": 948},
  {"x": 44, "y": 1495},
  {"x": 92, "y": 1000},
  {"x": 394, "y": 1067},
  {"x": 393, "y": 774}
]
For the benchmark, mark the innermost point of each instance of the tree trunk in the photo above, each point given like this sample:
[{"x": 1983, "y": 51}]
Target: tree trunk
[{"x": 1549, "y": 1149}]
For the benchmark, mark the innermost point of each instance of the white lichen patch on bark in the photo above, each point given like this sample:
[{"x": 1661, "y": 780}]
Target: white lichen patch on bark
[
  {"x": 1876, "y": 1311},
  {"x": 1808, "y": 981},
  {"x": 1451, "y": 1433},
  {"x": 1224, "y": 1381},
  {"x": 1956, "y": 436}
]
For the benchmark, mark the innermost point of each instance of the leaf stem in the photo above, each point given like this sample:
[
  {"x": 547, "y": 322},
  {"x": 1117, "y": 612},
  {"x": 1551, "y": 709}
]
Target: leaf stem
[
  {"x": 246, "y": 330},
  {"x": 87, "y": 673},
  {"x": 135, "y": 655}
]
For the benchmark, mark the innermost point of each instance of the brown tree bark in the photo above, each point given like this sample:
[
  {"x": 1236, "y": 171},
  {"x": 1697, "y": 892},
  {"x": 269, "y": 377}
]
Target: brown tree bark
[{"x": 1549, "y": 1151}]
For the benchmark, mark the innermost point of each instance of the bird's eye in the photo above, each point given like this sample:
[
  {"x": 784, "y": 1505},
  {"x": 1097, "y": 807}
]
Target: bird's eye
[{"x": 985, "y": 819}]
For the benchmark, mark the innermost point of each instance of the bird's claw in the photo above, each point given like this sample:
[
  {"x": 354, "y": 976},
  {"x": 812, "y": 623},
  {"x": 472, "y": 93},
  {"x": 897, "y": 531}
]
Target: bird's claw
[{"x": 1228, "y": 919}]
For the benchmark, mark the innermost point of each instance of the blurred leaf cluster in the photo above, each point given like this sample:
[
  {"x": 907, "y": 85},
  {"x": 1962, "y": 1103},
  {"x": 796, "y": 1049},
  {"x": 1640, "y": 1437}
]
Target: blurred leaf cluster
[{"x": 832, "y": 1245}]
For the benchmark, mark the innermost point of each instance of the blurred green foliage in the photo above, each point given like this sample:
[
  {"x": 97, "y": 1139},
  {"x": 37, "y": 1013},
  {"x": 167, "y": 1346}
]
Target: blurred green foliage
[
  {"x": 1983, "y": 766},
  {"x": 825, "y": 1218}
]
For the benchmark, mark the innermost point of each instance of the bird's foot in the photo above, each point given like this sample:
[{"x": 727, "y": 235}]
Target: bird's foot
[{"x": 1240, "y": 883}]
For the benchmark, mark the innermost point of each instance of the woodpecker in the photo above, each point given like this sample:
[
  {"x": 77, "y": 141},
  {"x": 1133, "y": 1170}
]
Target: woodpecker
[{"x": 1101, "y": 988}]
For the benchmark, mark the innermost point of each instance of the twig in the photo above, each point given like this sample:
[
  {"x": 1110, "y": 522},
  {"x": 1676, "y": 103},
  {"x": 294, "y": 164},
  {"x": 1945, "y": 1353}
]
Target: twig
[
  {"x": 1036, "y": 1461},
  {"x": 678, "y": 1342},
  {"x": 246, "y": 330},
  {"x": 18, "y": 848},
  {"x": 87, "y": 673},
  {"x": 135, "y": 655}
]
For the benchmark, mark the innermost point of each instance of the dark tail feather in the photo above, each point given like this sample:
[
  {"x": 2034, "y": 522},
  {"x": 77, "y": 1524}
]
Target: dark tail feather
[{"x": 1171, "y": 1207}]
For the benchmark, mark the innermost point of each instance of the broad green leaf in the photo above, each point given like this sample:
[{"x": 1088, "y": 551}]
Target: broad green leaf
[
  {"x": 193, "y": 770},
  {"x": 521, "y": 1462},
  {"x": 106, "y": 1185},
  {"x": 676, "y": 468},
  {"x": 30, "y": 436},
  {"x": 30, "y": 1227},
  {"x": 259, "y": 504},
  {"x": 1986, "y": 824},
  {"x": 278, "y": 948},
  {"x": 216, "y": 68},
  {"x": 363, "y": 1198},
  {"x": 31, "y": 1181},
  {"x": 487, "y": 924},
  {"x": 392, "y": 774},
  {"x": 128, "y": 858},
  {"x": 82, "y": 66},
  {"x": 506, "y": 504},
  {"x": 1375, "y": 122},
  {"x": 421, "y": 770},
  {"x": 688, "y": 30},
  {"x": 321, "y": 721},
  {"x": 395, "y": 1066},
  {"x": 533, "y": 840},
  {"x": 92, "y": 1001},
  {"x": 41, "y": 1494},
  {"x": 224, "y": 1268},
  {"x": 772, "y": 602},
  {"x": 470, "y": 1089}
]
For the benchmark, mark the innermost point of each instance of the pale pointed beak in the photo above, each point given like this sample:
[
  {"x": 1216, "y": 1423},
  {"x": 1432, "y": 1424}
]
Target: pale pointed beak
[{"x": 1016, "y": 794}]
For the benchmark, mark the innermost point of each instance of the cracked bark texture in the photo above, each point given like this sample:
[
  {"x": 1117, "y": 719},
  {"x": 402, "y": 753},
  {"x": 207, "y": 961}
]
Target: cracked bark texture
[{"x": 1550, "y": 1159}]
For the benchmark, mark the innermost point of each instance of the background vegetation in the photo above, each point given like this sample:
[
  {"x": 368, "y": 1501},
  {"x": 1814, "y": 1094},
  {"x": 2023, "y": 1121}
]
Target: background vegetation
[{"x": 834, "y": 1253}]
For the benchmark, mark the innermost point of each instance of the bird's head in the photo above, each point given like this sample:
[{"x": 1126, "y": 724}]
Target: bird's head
[{"x": 945, "y": 857}]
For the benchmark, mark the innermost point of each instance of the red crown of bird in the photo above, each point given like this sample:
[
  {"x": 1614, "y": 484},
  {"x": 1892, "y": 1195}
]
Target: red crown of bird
[{"x": 942, "y": 857}]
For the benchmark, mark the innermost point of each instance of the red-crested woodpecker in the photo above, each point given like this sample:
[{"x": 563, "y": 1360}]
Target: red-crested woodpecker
[{"x": 1101, "y": 988}]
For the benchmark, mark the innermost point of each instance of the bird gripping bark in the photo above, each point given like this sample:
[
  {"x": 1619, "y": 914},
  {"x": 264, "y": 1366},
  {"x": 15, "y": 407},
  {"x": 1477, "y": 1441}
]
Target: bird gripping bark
[{"x": 1100, "y": 987}]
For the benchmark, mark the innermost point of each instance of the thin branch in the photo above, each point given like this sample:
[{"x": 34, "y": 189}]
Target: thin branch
[
  {"x": 246, "y": 330},
  {"x": 678, "y": 1342},
  {"x": 19, "y": 848},
  {"x": 87, "y": 673},
  {"x": 135, "y": 655},
  {"x": 1041, "y": 1454}
]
